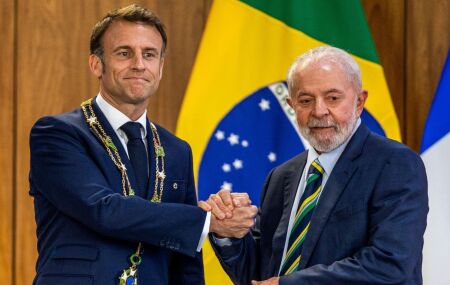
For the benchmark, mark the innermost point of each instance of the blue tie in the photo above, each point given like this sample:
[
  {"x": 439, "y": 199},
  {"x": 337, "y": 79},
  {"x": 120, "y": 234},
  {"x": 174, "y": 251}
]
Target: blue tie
[{"x": 138, "y": 156}]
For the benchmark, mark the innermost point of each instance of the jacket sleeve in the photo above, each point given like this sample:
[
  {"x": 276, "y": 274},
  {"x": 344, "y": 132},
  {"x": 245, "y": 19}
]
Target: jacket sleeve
[
  {"x": 397, "y": 215},
  {"x": 241, "y": 259},
  {"x": 187, "y": 270},
  {"x": 63, "y": 171}
]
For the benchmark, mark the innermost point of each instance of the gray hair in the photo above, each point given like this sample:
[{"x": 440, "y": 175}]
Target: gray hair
[{"x": 327, "y": 54}]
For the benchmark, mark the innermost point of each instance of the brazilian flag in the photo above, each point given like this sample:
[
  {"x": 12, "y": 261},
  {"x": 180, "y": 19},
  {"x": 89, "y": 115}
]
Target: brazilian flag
[{"x": 234, "y": 113}]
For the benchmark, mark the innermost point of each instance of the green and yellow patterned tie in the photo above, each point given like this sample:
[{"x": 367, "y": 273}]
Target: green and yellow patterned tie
[{"x": 302, "y": 218}]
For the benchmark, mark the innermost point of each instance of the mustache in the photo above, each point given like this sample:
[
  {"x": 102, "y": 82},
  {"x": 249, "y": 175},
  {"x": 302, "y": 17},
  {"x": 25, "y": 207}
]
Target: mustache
[{"x": 324, "y": 123}]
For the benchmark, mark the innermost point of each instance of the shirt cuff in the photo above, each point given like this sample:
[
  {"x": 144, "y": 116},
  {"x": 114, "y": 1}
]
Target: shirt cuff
[
  {"x": 221, "y": 242},
  {"x": 204, "y": 232}
]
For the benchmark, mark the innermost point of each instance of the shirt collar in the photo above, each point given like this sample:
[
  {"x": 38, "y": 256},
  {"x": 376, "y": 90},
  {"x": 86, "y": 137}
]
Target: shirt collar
[
  {"x": 116, "y": 118},
  {"x": 328, "y": 159}
]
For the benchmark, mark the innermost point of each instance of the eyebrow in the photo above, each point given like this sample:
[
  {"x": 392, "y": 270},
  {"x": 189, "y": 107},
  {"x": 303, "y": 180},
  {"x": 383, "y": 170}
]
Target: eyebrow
[
  {"x": 129, "y": 48},
  {"x": 304, "y": 93},
  {"x": 121, "y": 47},
  {"x": 334, "y": 90}
]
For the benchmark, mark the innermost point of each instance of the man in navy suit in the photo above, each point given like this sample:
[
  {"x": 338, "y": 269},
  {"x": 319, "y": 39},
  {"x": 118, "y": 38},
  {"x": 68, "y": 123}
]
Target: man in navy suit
[
  {"x": 114, "y": 194},
  {"x": 350, "y": 210}
]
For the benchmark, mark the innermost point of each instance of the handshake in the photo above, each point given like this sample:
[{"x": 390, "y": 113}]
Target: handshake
[{"x": 232, "y": 214}]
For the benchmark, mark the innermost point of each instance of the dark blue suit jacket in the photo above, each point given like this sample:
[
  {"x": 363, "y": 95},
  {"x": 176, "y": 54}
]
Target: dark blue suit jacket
[
  {"x": 87, "y": 229},
  {"x": 367, "y": 228}
]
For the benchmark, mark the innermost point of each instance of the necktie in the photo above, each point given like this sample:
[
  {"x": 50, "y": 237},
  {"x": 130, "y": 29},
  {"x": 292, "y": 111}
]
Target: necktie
[
  {"x": 138, "y": 156},
  {"x": 302, "y": 219}
]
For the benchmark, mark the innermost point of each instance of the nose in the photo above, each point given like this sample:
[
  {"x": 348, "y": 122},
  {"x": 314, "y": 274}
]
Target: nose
[
  {"x": 320, "y": 108},
  {"x": 138, "y": 62}
]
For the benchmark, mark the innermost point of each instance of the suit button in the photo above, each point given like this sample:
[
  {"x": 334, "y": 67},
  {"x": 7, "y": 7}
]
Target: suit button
[{"x": 175, "y": 186}]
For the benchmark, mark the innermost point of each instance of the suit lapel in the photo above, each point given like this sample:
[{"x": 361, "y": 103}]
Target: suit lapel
[
  {"x": 340, "y": 176},
  {"x": 289, "y": 190},
  {"x": 110, "y": 132}
]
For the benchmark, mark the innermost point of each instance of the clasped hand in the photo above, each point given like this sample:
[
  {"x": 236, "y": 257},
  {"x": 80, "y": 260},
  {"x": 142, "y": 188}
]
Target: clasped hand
[
  {"x": 232, "y": 213},
  {"x": 232, "y": 216}
]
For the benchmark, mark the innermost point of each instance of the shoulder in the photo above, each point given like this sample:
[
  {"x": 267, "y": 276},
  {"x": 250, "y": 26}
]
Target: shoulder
[
  {"x": 289, "y": 168},
  {"x": 65, "y": 128},
  {"x": 380, "y": 155},
  {"x": 378, "y": 146},
  {"x": 293, "y": 163},
  {"x": 74, "y": 118},
  {"x": 170, "y": 140}
]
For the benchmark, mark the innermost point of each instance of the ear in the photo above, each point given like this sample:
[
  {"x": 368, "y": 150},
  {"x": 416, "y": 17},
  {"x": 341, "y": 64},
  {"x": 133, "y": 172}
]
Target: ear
[
  {"x": 161, "y": 66},
  {"x": 96, "y": 65},
  {"x": 289, "y": 101},
  {"x": 361, "y": 100}
]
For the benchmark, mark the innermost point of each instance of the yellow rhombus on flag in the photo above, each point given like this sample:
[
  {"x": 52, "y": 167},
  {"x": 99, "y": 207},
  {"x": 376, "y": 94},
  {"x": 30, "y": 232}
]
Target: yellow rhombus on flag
[{"x": 234, "y": 115}]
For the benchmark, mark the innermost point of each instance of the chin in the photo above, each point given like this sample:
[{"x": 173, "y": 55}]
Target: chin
[
  {"x": 138, "y": 97},
  {"x": 323, "y": 137},
  {"x": 323, "y": 146},
  {"x": 324, "y": 143},
  {"x": 140, "y": 93}
]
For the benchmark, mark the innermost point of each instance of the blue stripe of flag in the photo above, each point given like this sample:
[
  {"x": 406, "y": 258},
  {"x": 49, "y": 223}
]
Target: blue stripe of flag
[{"x": 438, "y": 121}]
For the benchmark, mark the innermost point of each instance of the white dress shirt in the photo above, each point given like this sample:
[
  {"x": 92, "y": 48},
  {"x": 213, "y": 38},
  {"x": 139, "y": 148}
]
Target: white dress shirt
[{"x": 116, "y": 119}]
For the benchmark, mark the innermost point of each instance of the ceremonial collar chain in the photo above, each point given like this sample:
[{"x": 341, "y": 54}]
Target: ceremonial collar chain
[{"x": 129, "y": 276}]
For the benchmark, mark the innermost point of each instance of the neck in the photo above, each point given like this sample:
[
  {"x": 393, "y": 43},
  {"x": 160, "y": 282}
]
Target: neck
[{"x": 132, "y": 111}]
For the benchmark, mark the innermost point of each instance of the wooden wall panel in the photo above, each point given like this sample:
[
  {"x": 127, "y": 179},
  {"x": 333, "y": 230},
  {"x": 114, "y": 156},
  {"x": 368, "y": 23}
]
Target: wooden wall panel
[
  {"x": 53, "y": 76},
  {"x": 428, "y": 41},
  {"x": 386, "y": 20},
  {"x": 6, "y": 139},
  {"x": 185, "y": 21}
]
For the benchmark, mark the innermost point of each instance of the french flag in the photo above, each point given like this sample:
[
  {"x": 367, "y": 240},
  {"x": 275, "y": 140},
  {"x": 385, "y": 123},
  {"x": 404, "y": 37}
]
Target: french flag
[{"x": 435, "y": 152}]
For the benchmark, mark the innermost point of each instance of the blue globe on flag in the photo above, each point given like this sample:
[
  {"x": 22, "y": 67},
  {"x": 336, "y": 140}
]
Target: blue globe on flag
[{"x": 256, "y": 135}]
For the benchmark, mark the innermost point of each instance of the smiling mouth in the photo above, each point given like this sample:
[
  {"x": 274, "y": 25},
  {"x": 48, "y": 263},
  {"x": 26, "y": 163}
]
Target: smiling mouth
[{"x": 136, "y": 79}]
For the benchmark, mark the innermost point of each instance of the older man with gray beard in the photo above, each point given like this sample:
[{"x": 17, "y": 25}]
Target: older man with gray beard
[{"x": 350, "y": 210}]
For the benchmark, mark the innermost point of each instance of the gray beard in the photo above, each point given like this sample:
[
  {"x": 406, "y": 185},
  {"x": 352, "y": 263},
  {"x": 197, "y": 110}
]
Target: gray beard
[{"x": 342, "y": 133}]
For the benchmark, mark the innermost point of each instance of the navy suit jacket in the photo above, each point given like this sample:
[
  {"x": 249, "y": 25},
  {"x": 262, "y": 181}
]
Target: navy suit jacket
[
  {"x": 367, "y": 228},
  {"x": 87, "y": 229}
]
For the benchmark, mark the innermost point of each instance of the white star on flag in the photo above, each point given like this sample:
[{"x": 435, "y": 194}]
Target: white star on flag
[
  {"x": 272, "y": 157},
  {"x": 227, "y": 186},
  {"x": 237, "y": 164},
  {"x": 264, "y": 105},
  {"x": 244, "y": 143},
  {"x": 226, "y": 167},
  {"x": 219, "y": 135},
  {"x": 233, "y": 139}
]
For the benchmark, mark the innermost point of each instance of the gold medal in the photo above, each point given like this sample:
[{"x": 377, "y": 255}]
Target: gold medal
[{"x": 129, "y": 276}]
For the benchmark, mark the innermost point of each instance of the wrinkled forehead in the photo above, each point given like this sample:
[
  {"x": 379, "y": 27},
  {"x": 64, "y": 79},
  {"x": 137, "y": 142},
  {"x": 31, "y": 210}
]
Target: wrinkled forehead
[
  {"x": 320, "y": 70},
  {"x": 323, "y": 63},
  {"x": 321, "y": 78},
  {"x": 329, "y": 66},
  {"x": 133, "y": 33}
]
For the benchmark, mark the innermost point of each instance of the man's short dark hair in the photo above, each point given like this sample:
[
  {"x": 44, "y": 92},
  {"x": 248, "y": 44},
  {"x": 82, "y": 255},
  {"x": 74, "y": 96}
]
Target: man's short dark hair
[{"x": 132, "y": 13}]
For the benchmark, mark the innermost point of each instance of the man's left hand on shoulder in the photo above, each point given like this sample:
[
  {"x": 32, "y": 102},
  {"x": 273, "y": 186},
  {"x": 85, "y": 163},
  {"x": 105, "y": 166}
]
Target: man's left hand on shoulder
[{"x": 271, "y": 281}]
